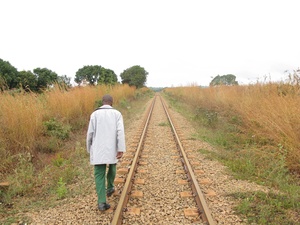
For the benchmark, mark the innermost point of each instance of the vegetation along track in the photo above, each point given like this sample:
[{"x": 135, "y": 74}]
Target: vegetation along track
[{"x": 160, "y": 186}]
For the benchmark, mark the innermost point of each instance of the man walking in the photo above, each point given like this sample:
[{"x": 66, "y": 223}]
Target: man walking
[{"x": 105, "y": 144}]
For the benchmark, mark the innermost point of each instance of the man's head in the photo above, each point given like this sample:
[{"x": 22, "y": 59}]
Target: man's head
[{"x": 107, "y": 100}]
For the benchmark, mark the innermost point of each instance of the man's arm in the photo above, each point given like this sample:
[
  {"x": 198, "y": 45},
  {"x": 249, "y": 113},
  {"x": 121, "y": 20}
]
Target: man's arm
[
  {"x": 89, "y": 136},
  {"x": 121, "y": 147}
]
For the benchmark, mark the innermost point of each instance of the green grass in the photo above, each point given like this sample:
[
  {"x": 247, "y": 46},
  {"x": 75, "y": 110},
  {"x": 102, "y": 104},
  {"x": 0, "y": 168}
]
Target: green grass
[
  {"x": 248, "y": 158},
  {"x": 268, "y": 208},
  {"x": 61, "y": 189}
]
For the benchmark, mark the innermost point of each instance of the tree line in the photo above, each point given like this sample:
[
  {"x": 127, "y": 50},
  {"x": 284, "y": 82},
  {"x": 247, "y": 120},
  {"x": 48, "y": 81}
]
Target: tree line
[{"x": 42, "y": 78}]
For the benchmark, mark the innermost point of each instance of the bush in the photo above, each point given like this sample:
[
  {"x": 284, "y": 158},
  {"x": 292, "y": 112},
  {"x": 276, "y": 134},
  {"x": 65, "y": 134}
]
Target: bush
[
  {"x": 61, "y": 189},
  {"x": 57, "y": 129},
  {"x": 58, "y": 160}
]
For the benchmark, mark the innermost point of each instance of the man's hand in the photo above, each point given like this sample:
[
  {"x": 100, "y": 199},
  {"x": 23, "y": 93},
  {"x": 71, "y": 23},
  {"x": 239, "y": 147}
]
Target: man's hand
[{"x": 119, "y": 155}]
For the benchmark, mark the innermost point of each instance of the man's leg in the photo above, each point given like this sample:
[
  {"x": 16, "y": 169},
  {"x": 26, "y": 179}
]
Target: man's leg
[
  {"x": 99, "y": 172},
  {"x": 111, "y": 174}
]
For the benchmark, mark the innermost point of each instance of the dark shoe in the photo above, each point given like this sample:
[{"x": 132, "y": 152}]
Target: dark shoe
[
  {"x": 103, "y": 206},
  {"x": 110, "y": 192}
]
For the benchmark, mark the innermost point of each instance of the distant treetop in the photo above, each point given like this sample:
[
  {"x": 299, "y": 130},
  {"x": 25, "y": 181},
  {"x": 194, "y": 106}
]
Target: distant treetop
[
  {"x": 134, "y": 76},
  {"x": 228, "y": 80}
]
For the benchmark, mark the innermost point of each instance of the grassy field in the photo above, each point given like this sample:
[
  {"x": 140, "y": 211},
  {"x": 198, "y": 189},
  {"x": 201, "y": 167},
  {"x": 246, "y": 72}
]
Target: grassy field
[
  {"x": 256, "y": 129},
  {"x": 42, "y": 143}
]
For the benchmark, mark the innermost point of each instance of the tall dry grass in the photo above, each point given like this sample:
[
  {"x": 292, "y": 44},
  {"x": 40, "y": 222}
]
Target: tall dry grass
[
  {"x": 21, "y": 119},
  {"x": 81, "y": 101},
  {"x": 268, "y": 113},
  {"x": 22, "y": 115}
]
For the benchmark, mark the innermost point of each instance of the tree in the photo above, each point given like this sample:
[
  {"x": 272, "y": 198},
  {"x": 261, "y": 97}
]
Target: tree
[
  {"x": 228, "y": 79},
  {"x": 95, "y": 75},
  {"x": 45, "y": 78},
  {"x": 8, "y": 75},
  {"x": 64, "y": 81},
  {"x": 107, "y": 76},
  {"x": 134, "y": 76},
  {"x": 88, "y": 73},
  {"x": 37, "y": 81},
  {"x": 27, "y": 80},
  {"x": 3, "y": 84}
]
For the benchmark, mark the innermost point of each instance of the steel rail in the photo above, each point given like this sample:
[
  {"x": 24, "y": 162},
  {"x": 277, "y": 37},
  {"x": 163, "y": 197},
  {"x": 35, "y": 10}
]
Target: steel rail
[
  {"x": 199, "y": 197},
  {"x": 117, "y": 218}
]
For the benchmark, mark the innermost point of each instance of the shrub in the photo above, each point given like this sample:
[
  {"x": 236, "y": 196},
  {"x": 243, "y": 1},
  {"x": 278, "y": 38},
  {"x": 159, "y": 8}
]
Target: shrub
[
  {"x": 57, "y": 129},
  {"x": 58, "y": 160},
  {"x": 61, "y": 189}
]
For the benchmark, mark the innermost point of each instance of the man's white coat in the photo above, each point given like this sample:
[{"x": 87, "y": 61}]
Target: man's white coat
[{"x": 105, "y": 135}]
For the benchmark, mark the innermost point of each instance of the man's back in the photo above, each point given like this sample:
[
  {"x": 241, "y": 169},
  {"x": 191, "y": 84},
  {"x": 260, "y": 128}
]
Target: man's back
[{"x": 105, "y": 135}]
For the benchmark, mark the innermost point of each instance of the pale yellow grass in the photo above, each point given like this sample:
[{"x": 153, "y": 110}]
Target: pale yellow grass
[
  {"x": 20, "y": 121},
  {"x": 266, "y": 112},
  {"x": 22, "y": 115}
]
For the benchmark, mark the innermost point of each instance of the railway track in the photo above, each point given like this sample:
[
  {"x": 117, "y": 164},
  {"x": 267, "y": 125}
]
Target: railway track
[
  {"x": 156, "y": 178},
  {"x": 161, "y": 190}
]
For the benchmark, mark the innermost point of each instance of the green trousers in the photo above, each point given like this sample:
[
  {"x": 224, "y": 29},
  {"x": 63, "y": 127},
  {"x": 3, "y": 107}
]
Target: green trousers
[{"x": 99, "y": 173}]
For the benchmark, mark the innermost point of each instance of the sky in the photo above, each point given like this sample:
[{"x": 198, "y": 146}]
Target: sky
[{"x": 179, "y": 43}]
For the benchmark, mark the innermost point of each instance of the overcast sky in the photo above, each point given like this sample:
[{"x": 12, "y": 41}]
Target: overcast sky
[{"x": 177, "y": 42}]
